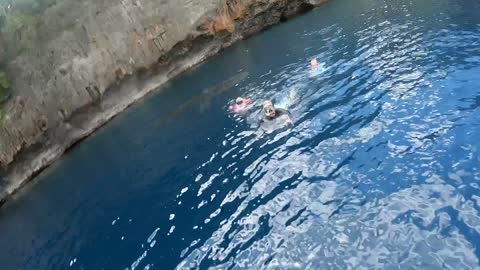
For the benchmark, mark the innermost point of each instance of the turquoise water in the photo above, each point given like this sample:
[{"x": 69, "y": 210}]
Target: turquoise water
[{"x": 381, "y": 169}]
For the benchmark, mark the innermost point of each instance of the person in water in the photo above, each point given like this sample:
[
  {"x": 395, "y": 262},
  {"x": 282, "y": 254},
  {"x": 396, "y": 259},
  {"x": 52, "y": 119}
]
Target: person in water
[
  {"x": 314, "y": 64},
  {"x": 241, "y": 105},
  {"x": 274, "y": 118},
  {"x": 316, "y": 68}
]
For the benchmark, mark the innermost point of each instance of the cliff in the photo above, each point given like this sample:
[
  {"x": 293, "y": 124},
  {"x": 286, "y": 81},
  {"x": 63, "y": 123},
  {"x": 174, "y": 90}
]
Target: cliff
[{"x": 69, "y": 66}]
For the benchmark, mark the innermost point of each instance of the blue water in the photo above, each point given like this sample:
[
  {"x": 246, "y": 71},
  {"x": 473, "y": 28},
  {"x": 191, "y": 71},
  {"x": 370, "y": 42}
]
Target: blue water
[{"x": 380, "y": 171}]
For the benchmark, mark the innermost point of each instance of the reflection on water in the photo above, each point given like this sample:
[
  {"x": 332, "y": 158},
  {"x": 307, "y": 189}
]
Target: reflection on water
[{"x": 380, "y": 171}]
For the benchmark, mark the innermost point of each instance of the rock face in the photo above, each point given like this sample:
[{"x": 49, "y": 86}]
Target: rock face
[{"x": 101, "y": 56}]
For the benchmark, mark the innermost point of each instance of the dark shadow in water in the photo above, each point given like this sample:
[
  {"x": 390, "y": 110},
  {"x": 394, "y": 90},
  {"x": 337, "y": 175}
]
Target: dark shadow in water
[{"x": 204, "y": 98}]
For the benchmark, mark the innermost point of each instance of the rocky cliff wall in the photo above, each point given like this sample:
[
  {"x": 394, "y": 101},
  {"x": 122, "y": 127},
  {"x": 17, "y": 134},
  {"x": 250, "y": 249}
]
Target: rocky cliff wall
[{"x": 87, "y": 60}]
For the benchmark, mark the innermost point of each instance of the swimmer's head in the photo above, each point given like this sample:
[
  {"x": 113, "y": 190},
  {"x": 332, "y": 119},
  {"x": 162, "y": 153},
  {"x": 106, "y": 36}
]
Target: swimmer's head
[
  {"x": 239, "y": 100},
  {"x": 268, "y": 108}
]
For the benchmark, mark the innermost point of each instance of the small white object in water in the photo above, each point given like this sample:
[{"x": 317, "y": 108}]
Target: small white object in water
[
  {"x": 152, "y": 236},
  {"x": 115, "y": 221},
  {"x": 172, "y": 216}
]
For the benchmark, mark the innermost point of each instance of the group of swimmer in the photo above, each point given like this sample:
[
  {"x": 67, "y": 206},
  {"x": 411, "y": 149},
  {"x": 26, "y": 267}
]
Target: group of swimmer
[{"x": 272, "y": 118}]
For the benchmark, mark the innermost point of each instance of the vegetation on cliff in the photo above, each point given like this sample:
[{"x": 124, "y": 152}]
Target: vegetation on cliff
[
  {"x": 19, "y": 25},
  {"x": 19, "y": 31},
  {"x": 4, "y": 92},
  {"x": 4, "y": 87}
]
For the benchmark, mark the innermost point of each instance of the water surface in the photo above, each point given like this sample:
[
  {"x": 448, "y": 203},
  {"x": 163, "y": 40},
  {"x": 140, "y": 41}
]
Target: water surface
[{"x": 380, "y": 171}]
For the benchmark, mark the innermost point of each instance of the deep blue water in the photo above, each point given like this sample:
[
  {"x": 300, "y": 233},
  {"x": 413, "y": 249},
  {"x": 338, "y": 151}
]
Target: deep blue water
[{"x": 380, "y": 171}]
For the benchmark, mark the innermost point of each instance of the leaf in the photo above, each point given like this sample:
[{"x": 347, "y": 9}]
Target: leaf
[{"x": 4, "y": 81}]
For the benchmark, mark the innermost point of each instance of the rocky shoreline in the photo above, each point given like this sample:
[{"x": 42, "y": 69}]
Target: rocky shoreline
[{"x": 39, "y": 127}]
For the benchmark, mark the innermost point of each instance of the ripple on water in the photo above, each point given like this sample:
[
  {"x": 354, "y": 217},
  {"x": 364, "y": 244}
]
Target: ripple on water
[{"x": 365, "y": 178}]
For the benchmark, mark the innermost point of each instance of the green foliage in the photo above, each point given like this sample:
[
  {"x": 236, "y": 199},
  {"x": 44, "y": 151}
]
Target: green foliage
[
  {"x": 4, "y": 82},
  {"x": 4, "y": 87},
  {"x": 27, "y": 6},
  {"x": 22, "y": 29},
  {"x": 19, "y": 24},
  {"x": 2, "y": 115}
]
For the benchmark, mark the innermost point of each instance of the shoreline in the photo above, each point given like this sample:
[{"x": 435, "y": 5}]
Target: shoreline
[{"x": 33, "y": 160}]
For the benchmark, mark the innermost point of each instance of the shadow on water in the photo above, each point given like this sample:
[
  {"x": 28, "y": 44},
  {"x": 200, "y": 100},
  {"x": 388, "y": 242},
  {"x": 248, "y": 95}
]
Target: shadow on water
[{"x": 205, "y": 97}]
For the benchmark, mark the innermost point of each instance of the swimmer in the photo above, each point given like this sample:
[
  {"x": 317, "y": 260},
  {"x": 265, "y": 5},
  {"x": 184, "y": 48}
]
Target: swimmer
[
  {"x": 316, "y": 68},
  {"x": 274, "y": 118},
  {"x": 314, "y": 64},
  {"x": 241, "y": 105}
]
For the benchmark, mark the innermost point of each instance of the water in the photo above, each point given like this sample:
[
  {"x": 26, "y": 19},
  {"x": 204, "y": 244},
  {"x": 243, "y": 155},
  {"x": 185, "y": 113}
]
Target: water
[{"x": 380, "y": 171}]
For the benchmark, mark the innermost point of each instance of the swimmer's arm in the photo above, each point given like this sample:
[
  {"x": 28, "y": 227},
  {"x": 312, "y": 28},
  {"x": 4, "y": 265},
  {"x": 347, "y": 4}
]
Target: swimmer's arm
[
  {"x": 260, "y": 121},
  {"x": 259, "y": 131},
  {"x": 290, "y": 121},
  {"x": 287, "y": 112}
]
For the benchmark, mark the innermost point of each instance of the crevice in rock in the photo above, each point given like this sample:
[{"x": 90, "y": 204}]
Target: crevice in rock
[{"x": 304, "y": 8}]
